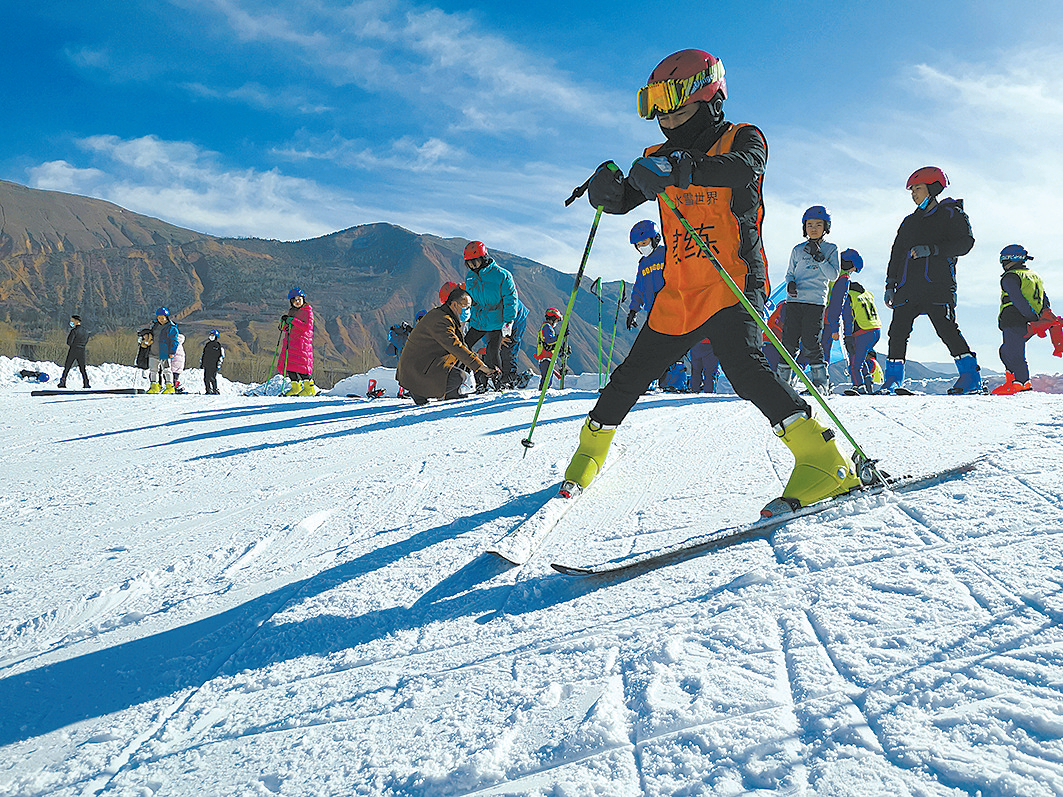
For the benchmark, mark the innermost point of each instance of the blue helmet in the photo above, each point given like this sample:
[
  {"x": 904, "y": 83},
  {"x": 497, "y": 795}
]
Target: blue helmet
[
  {"x": 853, "y": 257},
  {"x": 295, "y": 292},
  {"x": 163, "y": 311},
  {"x": 1014, "y": 254},
  {"x": 645, "y": 230},
  {"x": 816, "y": 212},
  {"x": 214, "y": 332}
]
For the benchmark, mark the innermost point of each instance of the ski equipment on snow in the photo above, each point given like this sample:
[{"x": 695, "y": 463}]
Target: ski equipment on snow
[
  {"x": 721, "y": 538},
  {"x": 620, "y": 299},
  {"x": 563, "y": 330},
  {"x": 863, "y": 462}
]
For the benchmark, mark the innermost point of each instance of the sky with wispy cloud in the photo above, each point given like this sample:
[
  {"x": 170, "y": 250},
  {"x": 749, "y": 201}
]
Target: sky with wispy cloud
[{"x": 292, "y": 120}]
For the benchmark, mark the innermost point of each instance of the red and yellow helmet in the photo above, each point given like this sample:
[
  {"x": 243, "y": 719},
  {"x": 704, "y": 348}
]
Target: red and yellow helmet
[{"x": 681, "y": 78}]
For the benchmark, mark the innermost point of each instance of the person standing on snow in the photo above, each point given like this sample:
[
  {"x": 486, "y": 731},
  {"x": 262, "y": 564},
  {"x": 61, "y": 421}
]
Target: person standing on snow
[
  {"x": 76, "y": 340},
  {"x": 921, "y": 278},
  {"x": 510, "y": 350},
  {"x": 704, "y": 367},
  {"x": 545, "y": 343},
  {"x": 852, "y": 263},
  {"x": 494, "y": 306},
  {"x": 296, "y": 359},
  {"x": 862, "y": 331},
  {"x": 646, "y": 238},
  {"x": 164, "y": 344},
  {"x": 1022, "y": 301},
  {"x": 814, "y": 265},
  {"x": 210, "y": 361},
  {"x": 714, "y": 171},
  {"x": 177, "y": 364},
  {"x": 429, "y": 366}
]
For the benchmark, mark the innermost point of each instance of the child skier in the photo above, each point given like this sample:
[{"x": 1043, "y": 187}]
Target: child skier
[
  {"x": 545, "y": 343},
  {"x": 1022, "y": 301},
  {"x": 296, "y": 358},
  {"x": 177, "y": 364},
  {"x": 210, "y": 361},
  {"x": 646, "y": 239},
  {"x": 715, "y": 171},
  {"x": 164, "y": 343},
  {"x": 862, "y": 331},
  {"x": 852, "y": 264},
  {"x": 814, "y": 265},
  {"x": 921, "y": 278}
]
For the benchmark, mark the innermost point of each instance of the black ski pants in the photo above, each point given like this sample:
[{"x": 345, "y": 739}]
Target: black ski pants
[
  {"x": 75, "y": 356},
  {"x": 735, "y": 339},
  {"x": 210, "y": 381},
  {"x": 942, "y": 316},
  {"x": 804, "y": 325}
]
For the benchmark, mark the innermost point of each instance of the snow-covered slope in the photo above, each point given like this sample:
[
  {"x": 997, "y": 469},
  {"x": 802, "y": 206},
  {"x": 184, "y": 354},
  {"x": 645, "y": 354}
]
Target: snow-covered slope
[{"x": 225, "y": 595}]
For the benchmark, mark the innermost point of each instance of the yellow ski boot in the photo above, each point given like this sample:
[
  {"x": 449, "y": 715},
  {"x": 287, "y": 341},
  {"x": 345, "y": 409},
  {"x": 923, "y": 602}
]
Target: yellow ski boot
[
  {"x": 295, "y": 389},
  {"x": 309, "y": 388},
  {"x": 169, "y": 388},
  {"x": 154, "y": 388},
  {"x": 594, "y": 440},
  {"x": 820, "y": 470}
]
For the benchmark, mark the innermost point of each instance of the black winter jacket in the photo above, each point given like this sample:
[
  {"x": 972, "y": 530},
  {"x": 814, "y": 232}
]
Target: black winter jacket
[
  {"x": 77, "y": 338},
  {"x": 944, "y": 228}
]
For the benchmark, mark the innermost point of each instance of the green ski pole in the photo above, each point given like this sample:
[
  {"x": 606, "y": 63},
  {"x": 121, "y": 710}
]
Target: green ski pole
[
  {"x": 563, "y": 330},
  {"x": 865, "y": 462},
  {"x": 619, "y": 301},
  {"x": 596, "y": 289}
]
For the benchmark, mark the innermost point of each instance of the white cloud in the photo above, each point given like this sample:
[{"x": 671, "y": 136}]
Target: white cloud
[
  {"x": 428, "y": 58},
  {"x": 178, "y": 182}
]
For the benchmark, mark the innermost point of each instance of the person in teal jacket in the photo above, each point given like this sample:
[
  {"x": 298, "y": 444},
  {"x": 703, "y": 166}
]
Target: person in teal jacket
[{"x": 494, "y": 306}]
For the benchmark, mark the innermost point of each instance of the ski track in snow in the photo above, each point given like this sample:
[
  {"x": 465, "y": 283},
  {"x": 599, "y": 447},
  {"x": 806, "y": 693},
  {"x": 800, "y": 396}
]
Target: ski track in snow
[{"x": 300, "y": 587}]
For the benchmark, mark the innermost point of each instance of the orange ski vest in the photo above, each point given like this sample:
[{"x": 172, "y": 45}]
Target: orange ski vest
[{"x": 693, "y": 290}]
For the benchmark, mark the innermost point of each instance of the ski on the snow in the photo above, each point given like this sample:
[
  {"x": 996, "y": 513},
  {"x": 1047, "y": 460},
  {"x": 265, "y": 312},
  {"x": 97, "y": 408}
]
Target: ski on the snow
[
  {"x": 117, "y": 391},
  {"x": 733, "y": 535},
  {"x": 518, "y": 545}
]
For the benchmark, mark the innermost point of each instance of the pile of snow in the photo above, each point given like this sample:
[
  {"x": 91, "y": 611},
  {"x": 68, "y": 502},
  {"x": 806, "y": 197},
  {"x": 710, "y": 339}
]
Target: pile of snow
[
  {"x": 108, "y": 376},
  {"x": 251, "y": 596}
]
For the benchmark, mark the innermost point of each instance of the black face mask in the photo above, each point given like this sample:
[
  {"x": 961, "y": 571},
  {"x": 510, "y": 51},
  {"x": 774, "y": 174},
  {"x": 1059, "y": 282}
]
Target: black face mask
[{"x": 708, "y": 116}]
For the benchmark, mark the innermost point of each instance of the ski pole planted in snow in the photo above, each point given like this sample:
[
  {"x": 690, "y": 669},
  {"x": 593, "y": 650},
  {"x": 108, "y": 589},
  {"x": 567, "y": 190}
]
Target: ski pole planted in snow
[
  {"x": 563, "y": 329},
  {"x": 596, "y": 289},
  {"x": 865, "y": 462},
  {"x": 619, "y": 301}
]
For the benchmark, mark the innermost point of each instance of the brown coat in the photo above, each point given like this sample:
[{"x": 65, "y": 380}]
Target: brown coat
[{"x": 432, "y": 350}]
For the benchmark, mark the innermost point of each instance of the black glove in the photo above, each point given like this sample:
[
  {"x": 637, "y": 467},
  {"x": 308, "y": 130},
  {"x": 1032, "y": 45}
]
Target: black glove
[
  {"x": 924, "y": 251},
  {"x": 887, "y": 297},
  {"x": 606, "y": 187},
  {"x": 631, "y": 322},
  {"x": 791, "y": 288},
  {"x": 652, "y": 174}
]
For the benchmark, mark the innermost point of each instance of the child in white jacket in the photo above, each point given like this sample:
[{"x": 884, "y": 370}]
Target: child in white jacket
[{"x": 814, "y": 265}]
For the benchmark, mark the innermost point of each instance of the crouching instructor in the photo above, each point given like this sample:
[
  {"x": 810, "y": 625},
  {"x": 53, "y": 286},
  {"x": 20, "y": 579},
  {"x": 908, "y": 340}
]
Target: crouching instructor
[
  {"x": 430, "y": 365},
  {"x": 713, "y": 170}
]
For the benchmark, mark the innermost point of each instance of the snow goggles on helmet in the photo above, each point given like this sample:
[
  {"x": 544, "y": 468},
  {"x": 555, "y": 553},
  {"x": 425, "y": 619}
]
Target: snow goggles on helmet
[{"x": 668, "y": 96}]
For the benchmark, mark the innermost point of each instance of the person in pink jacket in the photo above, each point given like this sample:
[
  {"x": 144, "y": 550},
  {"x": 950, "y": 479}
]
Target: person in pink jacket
[{"x": 296, "y": 358}]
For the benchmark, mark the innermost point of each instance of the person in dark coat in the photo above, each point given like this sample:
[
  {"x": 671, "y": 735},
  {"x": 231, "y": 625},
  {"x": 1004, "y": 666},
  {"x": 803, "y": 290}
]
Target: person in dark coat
[
  {"x": 921, "y": 278},
  {"x": 431, "y": 360},
  {"x": 77, "y": 339},
  {"x": 210, "y": 361}
]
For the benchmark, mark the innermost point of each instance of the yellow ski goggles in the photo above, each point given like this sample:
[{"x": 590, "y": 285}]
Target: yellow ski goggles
[{"x": 668, "y": 96}]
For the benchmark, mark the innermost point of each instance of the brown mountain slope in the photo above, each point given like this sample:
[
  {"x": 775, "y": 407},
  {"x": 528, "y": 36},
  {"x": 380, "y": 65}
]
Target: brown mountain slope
[{"x": 62, "y": 254}]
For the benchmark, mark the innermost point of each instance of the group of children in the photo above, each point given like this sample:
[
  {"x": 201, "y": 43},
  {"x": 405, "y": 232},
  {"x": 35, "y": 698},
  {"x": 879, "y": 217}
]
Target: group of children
[{"x": 161, "y": 354}]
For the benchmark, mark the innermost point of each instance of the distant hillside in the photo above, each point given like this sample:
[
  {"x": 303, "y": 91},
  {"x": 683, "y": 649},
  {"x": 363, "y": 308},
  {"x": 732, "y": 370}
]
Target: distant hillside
[{"x": 62, "y": 254}]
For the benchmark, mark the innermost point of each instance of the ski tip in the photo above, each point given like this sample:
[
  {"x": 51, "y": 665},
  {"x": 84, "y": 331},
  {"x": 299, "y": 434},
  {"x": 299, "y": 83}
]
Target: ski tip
[{"x": 571, "y": 571}]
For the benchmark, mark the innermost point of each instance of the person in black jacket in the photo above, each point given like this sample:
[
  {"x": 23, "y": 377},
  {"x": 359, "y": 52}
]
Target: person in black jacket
[
  {"x": 77, "y": 339},
  {"x": 210, "y": 362},
  {"x": 921, "y": 278}
]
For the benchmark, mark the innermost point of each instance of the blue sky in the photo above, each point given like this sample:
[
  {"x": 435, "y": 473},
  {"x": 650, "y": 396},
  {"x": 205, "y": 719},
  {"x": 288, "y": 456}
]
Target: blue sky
[{"x": 291, "y": 120}]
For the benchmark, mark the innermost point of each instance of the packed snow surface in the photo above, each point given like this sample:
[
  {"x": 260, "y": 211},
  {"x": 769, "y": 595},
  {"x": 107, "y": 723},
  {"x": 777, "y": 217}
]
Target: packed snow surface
[{"x": 238, "y": 595}]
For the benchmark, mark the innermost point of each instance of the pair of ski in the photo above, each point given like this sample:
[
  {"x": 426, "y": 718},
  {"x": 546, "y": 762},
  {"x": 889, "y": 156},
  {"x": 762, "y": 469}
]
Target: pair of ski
[{"x": 518, "y": 545}]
